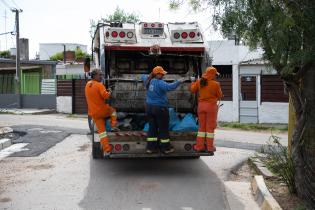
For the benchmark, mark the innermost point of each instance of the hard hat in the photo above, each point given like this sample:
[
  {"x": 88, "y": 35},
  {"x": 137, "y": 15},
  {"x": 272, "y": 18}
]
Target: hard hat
[
  {"x": 159, "y": 70},
  {"x": 210, "y": 71}
]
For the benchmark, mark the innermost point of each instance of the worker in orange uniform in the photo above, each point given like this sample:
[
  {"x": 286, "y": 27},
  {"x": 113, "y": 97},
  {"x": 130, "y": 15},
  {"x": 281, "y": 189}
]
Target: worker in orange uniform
[
  {"x": 209, "y": 93},
  {"x": 96, "y": 94}
]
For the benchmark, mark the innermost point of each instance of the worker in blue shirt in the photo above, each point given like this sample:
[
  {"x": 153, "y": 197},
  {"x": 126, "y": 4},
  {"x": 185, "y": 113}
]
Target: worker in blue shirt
[{"x": 157, "y": 110}]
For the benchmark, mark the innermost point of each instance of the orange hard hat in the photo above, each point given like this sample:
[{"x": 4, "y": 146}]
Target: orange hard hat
[
  {"x": 210, "y": 72},
  {"x": 159, "y": 70}
]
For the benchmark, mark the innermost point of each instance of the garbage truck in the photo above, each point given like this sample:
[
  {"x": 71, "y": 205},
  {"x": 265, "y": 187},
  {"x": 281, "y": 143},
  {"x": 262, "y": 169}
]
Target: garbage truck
[{"x": 125, "y": 51}]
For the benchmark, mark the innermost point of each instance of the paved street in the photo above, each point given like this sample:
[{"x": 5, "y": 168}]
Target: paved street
[{"x": 64, "y": 176}]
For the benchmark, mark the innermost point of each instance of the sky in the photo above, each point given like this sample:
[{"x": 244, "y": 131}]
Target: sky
[{"x": 68, "y": 21}]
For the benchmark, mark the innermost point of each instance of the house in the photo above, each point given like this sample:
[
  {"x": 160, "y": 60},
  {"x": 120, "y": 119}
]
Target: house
[
  {"x": 253, "y": 92},
  {"x": 37, "y": 82}
]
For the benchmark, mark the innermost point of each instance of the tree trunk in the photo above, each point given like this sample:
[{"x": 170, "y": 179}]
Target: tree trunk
[{"x": 303, "y": 139}]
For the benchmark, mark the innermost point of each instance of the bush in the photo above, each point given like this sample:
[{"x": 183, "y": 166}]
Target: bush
[
  {"x": 280, "y": 162},
  {"x": 5, "y": 54},
  {"x": 57, "y": 57}
]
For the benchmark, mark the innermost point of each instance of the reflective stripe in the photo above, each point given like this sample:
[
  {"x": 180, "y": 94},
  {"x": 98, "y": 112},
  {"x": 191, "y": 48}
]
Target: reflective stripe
[
  {"x": 210, "y": 135},
  {"x": 114, "y": 114},
  {"x": 165, "y": 140},
  {"x": 152, "y": 139},
  {"x": 102, "y": 135},
  {"x": 201, "y": 134}
]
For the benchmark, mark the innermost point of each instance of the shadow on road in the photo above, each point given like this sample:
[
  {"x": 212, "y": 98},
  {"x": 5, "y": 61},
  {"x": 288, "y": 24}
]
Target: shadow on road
[{"x": 156, "y": 184}]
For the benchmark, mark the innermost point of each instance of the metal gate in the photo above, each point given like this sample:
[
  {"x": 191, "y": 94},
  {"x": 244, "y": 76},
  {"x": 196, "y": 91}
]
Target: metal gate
[{"x": 248, "y": 99}]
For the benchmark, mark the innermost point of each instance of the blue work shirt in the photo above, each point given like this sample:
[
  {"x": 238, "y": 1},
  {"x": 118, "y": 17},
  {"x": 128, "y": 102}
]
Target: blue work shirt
[{"x": 156, "y": 93}]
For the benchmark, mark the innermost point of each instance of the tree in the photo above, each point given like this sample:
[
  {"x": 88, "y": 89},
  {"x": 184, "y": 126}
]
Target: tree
[
  {"x": 5, "y": 54},
  {"x": 285, "y": 29},
  {"x": 119, "y": 15}
]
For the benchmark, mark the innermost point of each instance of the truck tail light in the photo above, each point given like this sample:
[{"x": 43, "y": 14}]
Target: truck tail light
[
  {"x": 118, "y": 147},
  {"x": 152, "y": 25},
  {"x": 114, "y": 34},
  {"x": 176, "y": 35},
  {"x": 126, "y": 147},
  {"x": 122, "y": 34},
  {"x": 145, "y": 25},
  {"x": 129, "y": 34},
  {"x": 184, "y": 35},
  {"x": 192, "y": 35},
  {"x": 160, "y": 25}
]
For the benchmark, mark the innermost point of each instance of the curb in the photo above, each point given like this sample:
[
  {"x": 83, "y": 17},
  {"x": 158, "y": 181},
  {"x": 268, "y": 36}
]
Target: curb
[
  {"x": 4, "y": 143},
  {"x": 262, "y": 195},
  {"x": 5, "y": 130},
  {"x": 21, "y": 112},
  {"x": 261, "y": 169}
]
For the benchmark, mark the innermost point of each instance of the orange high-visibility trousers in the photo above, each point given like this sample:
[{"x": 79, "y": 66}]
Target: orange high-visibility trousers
[
  {"x": 99, "y": 119},
  {"x": 207, "y": 118}
]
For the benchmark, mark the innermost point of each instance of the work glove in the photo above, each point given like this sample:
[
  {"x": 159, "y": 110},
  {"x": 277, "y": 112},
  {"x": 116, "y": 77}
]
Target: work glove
[{"x": 192, "y": 79}]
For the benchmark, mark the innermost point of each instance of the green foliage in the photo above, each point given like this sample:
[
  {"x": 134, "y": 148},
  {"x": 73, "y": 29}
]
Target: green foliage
[
  {"x": 5, "y": 54},
  {"x": 280, "y": 162},
  {"x": 119, "y": 15},
  {"x": 57, "y": 57},
  {"x": 80, "y": 55}
]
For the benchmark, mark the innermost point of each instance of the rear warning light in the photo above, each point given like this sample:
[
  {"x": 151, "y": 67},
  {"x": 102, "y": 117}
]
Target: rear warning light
[
  {"x": 114, "y": 34},
  {"x": 129, "y": 34},
  {"x": 107, "y": 34},
  {"x": 145, "y": 25},
  {"x": 176, "y": 35},
  {"x": 126, "y": 147},
  {"x": 152, "y": 25},
  {"x": 118, "y": 147},
  {"x": 184, "y": 35},
  {"x": 192, "y": 35},
  {"x": 160, "y": 25},
  {"x": 122, "y": 34}
]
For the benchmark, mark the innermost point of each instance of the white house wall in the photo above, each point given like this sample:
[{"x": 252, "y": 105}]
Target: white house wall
[
  {"x": 273, "y": 112},
  {"x": 226, "y": 112},
  {"x": 64, "y": 104}
]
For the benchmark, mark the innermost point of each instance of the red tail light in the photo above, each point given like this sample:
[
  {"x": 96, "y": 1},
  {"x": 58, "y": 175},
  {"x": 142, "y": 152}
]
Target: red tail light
[
  {"x": 122, "y": 34},
  {"x": 184, "y": 35},
  {"x": 129, "y": 34},
  {"x": 192, "y": 34},
  {"x": 107, "y": 34},
  {"x": 118, "y": 147},
  {"x": 145, "y": 25},
  {"x": 152, "y": 25},
  {"x": 114, "y": 34},
  {"x": 176, "y": 35},
  {"x": 160, "y": 25}
]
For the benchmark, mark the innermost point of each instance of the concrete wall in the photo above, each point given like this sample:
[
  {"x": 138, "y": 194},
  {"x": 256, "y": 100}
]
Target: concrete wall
[
  {"x": 28, "y": 101},
  {"x": 66, "y": 69},
  {"x": 64, "y": 104},
  {"x": 226, "y": 112},
  {"x": 46, "y": 50},
  {"x": 272, "y": 112}
]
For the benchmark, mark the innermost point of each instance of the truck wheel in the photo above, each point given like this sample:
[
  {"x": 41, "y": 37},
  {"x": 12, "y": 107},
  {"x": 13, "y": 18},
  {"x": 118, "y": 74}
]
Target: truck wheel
[{"x": 96, "y": 146}]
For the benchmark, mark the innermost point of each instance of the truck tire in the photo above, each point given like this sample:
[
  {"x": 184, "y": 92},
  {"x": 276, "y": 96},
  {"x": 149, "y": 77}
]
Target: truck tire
[{"x": 96, "y": 146}]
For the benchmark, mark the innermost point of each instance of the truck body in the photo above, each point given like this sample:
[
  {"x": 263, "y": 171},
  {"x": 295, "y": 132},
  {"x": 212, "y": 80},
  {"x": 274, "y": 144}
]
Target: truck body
[{"x": 125, "y": 51}]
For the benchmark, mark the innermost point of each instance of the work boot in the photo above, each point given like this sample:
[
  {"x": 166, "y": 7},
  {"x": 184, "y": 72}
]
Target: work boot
[
  {"x": 105, "y": 146},
  {"x": 210, "y": 146},
  {"x": 168, "y": 150}
]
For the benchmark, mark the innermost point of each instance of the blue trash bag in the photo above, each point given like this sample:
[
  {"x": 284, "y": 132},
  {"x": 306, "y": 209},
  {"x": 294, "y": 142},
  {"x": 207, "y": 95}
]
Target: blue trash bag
[
  {"x": 146, "y": 127},
  {"x": 188, "y": 123},
  {"x": 107, "y": 125},
  {"x": 174, "y": 120}
]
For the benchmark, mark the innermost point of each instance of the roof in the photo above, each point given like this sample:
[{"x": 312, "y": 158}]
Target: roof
[
  {"x": 257, "y": 61},
  {"x": 35, "y": 62}
]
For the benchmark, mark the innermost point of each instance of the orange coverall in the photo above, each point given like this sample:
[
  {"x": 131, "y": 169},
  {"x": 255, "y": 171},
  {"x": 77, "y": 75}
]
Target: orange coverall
[
  {"x": 95, "y": 94},
  {"x": 207, "y": 110}
]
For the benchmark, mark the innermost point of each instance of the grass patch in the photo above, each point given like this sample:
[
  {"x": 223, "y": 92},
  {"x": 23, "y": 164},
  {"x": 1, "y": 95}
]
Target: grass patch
[{"x": 255, "y": 127}]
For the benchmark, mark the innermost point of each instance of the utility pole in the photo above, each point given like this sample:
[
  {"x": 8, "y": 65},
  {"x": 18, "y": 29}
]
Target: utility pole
[{"x": 17, "y": 71}]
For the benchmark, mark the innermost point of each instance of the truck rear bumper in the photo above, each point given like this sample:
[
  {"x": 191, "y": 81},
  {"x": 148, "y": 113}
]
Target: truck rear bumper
[{"x": 159, "y": 155}]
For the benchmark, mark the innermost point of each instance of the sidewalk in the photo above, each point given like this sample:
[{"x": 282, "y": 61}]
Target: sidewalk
[{"x": 27, "y": 111}]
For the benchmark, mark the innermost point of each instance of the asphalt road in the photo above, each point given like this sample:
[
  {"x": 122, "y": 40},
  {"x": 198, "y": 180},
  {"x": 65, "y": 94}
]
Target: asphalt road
[{"x": 55, "y": 171}]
